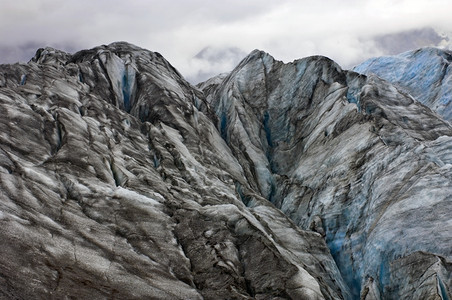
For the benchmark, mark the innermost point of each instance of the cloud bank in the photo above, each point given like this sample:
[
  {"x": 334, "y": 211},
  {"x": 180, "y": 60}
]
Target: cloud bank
[{"x": 346, "y": 31}]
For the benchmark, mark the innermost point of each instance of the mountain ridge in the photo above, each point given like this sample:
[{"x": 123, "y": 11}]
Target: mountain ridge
[
  {"x": 153, "y": 203},
  {"x": 285, "y": 160}
]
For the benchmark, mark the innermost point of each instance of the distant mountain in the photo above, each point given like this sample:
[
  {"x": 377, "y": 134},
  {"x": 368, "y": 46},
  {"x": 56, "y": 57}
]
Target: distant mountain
[
  {"x": 119, "y": 179},
  {"x": 398, "y": 42},
  {"x": 213, "y": 60},
  {"x": 425, "y": 73}
]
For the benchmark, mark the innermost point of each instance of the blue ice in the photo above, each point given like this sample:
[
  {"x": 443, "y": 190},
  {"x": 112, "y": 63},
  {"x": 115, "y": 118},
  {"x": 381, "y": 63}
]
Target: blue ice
[{"x": 23, "y": 79}]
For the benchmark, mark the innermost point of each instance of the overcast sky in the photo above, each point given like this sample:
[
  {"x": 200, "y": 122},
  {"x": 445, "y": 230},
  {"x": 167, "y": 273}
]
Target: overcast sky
[{"x": 204, "y": 37}]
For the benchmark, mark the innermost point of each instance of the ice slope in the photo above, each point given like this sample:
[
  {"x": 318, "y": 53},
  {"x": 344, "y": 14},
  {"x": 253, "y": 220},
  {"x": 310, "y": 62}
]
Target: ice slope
[
  {"x": 350, "y": 157},
  {"x": 115, "y": 183},
  {"x": 425, "y": 73},
  {"x": 118, "y": 179}
]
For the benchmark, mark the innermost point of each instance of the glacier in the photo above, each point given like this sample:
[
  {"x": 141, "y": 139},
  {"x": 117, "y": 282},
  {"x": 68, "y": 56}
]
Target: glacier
[
  {"x": 100, "y": 200},
  {"x": 119, "y": 179},
  {"x": 348, "y": 151},
  {"x": 425, "y": 73}
]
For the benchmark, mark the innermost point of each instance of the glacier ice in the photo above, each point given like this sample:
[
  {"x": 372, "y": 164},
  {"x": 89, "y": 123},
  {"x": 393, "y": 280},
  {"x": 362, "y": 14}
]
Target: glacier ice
[
  {"x": 298, "y": 180},
  {"x": 425, "y": 73},
  {"x": 345, "y": 150},
  {"x": 112, "y": 171}
]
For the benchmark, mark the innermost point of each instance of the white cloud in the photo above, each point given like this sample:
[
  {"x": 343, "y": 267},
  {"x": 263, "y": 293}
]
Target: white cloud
[{"x": 343, "y": 30}]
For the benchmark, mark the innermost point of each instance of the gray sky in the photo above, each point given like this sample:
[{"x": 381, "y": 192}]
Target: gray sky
[{"x": 205, "y": 37}]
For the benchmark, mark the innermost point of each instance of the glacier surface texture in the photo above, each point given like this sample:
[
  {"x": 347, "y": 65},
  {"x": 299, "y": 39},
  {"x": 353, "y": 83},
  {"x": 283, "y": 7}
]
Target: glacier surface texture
[{"x": 120, "y": 180}]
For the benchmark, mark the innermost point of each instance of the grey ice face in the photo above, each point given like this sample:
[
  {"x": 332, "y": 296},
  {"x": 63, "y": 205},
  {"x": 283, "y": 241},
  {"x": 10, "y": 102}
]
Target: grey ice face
[
  {"x": 353, "y": 151},
  {"x": 112, "y": 171}
]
